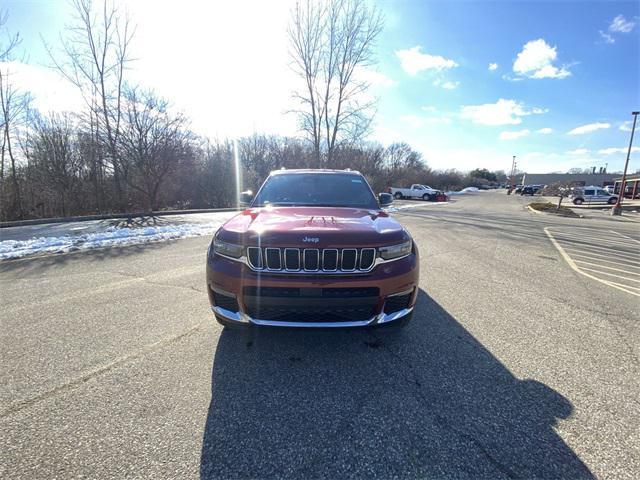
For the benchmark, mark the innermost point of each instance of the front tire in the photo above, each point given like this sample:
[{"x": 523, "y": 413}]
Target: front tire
[
  {"x": 578, "y": 201},
  {"x": 612, "y": 201},
  {"x": 426, "y": 197}
]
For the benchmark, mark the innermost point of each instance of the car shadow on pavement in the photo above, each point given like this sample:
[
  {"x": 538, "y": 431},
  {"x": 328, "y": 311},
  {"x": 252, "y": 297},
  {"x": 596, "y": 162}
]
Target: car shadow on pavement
[{"x": 429, "y": 401}]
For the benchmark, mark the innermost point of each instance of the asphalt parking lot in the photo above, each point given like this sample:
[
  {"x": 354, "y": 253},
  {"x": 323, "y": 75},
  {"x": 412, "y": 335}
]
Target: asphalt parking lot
[
  {"x": 608, "y": 257},
  {"x": 516, "y": 364}
]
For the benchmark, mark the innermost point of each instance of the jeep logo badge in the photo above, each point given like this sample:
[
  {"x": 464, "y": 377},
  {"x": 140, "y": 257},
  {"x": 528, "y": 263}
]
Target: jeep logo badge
[{"x": 311, "y": 239}]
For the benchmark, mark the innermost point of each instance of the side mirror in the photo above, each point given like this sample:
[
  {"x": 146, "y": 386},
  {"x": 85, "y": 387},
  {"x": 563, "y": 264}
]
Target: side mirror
[
  {"x": 246, "y": 198},
  {"x": 385, "y": 199}
]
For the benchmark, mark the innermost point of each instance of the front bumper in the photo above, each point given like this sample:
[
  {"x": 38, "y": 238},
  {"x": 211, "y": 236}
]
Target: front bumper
[
  {"x": 393, "y": 281},
  {"x": 240, "y": 318}
]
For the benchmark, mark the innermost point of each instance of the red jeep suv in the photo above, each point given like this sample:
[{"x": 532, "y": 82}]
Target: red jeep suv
[{"x": 314, "y": 249}]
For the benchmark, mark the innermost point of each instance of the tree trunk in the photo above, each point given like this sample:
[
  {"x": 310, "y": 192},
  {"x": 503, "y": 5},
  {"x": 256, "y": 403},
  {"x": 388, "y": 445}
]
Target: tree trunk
[{"x": 17, "y": 200}]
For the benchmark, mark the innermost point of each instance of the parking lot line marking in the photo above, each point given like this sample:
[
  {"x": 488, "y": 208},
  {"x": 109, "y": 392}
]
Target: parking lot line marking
[
  {"x": 625, "y": 236},
  {"x": 612, "y": 274},
  {"x": 608, "y": 268},
  {"x": 617, "y": 256},
  {"x": 627, "y": 286},
  {"x": 593, "y": 256},
  {"x": 573, "y": 265},
  {"x": 618, "y": 252},
  {"x": 600, "y": 240}
]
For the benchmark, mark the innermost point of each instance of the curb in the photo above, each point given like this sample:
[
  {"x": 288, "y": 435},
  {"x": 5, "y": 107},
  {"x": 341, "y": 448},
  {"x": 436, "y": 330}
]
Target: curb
[
  {"x": 87, "y": 218},
  {"x": 534, "y": 210},
  {"x": 549, "y": 213}
]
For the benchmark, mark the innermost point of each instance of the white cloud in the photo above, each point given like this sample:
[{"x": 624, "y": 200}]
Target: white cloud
[
  {"x": 503, "y": 112},
  {"x": 417, "y": 121},
  {"x": 536, "y": 61},
  {"x": 253, "y": 97},
  {"x": 375, "y": 78},
  {"x": 621, "y": 25},
  {"x": 429, "y": 108},
  {"x": 50, "y": 91},
  {"x": 626, "y": 126},
  {"x": 590, "y": 127},
  {"x": 493, "y": 66},
  {"x": 614, "y": 150},
  {"x": 414, "y": 121},
  {"x": 545, "y": 131},
  {"x": 413, "y": 61},
  {"x": 578, "y": 151},
  {"x": 447, "y": 85},
  {"x": 513, "y": 135},
  {"x": 606, "y": 37}
]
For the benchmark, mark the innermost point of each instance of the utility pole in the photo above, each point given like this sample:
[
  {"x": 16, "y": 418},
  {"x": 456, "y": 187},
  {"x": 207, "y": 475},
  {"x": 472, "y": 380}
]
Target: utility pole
[
  {"x": 513, "y": 170},
  {"x": 617, "y": 209},
  {"x": 510, "y": 179}
]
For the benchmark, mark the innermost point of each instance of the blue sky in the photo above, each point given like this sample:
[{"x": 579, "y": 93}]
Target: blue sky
[{"x": 566, "y": 75}]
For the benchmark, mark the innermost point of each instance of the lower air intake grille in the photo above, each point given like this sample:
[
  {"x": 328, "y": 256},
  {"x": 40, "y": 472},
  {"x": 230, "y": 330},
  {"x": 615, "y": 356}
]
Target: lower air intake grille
[
  {"x": 397, "y": 303},
  {"x": 310, "y": 314},
  {"x": 283, "y": 304},
  {"x": 225, "y": 301}
]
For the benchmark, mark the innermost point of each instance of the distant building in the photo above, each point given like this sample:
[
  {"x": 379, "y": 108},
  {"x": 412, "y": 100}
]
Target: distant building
[
  {"x": 574, "y": 179},
  {"x": 632, "y": 186}
]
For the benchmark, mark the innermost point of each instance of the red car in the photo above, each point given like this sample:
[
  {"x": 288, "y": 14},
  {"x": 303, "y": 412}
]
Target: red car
[{"x": 314, "y": 249}]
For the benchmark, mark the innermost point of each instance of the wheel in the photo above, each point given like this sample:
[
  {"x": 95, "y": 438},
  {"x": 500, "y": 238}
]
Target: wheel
[
  {"x": 578, "y": 201},
  {"x": 612, "y": 200},
  {"x": 397, "y": 196},
  {"x": 426, "y": 196}
]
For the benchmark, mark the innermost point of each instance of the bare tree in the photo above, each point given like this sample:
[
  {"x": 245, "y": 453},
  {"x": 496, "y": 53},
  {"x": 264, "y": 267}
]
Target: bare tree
[
  {"x": 14, "y": 107},
  {"x": 52, "y": 150},
  {"x": 332, "y": 41},
  {"x": 95, "y": 51},
  {"x": 153, "y": 142},
  {"x": 560, "y": 190}
]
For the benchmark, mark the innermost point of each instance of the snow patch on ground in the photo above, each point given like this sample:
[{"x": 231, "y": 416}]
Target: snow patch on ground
[
  {"x": 463, "y": 191},
  {"x": 111, "y": 237},
  {"x": 413, "y": 205}
]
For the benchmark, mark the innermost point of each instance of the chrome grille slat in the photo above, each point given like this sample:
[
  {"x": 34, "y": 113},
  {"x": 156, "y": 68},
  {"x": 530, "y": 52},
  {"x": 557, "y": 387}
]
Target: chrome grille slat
[
  {"x": 292, "y": 255},
  {"x": 366, "y": 253},
  {"x": 255, "y": 253},
  {"x": 350, "y": 266},
  {"x": 271, "y": 263},
  {"x": 311, "y": 252},
  {"x": 311, "y": 260},
  {"x": 326, "y": 261}
]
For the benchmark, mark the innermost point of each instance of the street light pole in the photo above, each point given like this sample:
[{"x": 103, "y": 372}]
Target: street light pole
[
  {"x": 511, "y": 173},
  {"x": 617, "y": 209}
]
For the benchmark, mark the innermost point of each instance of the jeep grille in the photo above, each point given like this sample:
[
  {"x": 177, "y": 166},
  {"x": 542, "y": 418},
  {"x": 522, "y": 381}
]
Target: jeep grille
[{"x": 328, "y": 260}]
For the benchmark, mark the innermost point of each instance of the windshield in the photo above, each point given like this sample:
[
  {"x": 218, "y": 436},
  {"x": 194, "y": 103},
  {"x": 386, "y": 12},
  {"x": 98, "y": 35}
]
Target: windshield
[{"x": 316, "y": 189}]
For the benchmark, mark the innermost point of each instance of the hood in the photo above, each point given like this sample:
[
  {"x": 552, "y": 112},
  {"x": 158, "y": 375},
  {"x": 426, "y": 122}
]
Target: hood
[{"x": 313, "y": 227}]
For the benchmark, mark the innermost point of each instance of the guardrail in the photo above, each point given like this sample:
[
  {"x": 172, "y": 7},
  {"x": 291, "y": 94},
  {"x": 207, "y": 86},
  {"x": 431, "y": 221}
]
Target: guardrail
[{"x": 86, "y": 218}]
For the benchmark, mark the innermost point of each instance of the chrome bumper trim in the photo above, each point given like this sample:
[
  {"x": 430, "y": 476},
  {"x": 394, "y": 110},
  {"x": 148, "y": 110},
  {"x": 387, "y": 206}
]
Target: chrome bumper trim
[
  {"x": 243, "y": 318},
  {"x": 229, "y": 315}
]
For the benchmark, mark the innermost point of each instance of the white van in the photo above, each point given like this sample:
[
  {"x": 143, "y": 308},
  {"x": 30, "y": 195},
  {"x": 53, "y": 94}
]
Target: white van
[{"x": 592, "y": 194}]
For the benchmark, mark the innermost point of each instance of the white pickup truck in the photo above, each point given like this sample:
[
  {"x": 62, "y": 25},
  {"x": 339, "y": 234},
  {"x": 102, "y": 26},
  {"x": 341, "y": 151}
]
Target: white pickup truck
[{"x": 415, "y": 191}]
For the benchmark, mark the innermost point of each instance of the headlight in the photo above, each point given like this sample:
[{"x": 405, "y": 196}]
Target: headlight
[
  {"x": 395, "y": 251},
  {"x": 228, "y": 249}
]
